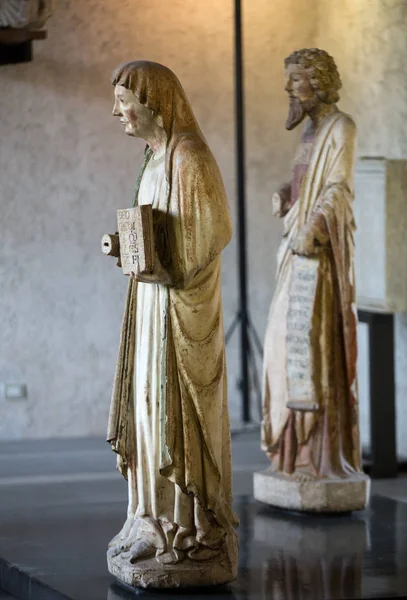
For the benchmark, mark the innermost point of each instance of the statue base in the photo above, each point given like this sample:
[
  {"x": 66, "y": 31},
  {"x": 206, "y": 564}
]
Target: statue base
[
  {"x": 312, "y": 495},
  {"x": 156, "y": 573}
]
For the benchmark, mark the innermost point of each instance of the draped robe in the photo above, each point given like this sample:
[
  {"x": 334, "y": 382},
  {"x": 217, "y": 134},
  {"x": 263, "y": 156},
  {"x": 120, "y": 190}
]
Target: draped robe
[
  {"x": 192, "y": 433},
  {"x": 325, "y": 442}
]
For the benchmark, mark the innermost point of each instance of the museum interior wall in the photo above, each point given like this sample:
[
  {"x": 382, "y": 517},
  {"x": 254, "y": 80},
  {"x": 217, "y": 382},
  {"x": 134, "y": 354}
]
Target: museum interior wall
[
  {"x": 369, "y": 41},
  {"x": 66, "y": 167}
]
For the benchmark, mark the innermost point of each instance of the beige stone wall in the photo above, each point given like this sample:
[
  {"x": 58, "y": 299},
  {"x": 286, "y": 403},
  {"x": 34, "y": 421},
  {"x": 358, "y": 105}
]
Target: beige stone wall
[
  {"x": 368, "y": 39},
  {"x": 65, "y": 167},
  {"x": 272, "y": 31}
]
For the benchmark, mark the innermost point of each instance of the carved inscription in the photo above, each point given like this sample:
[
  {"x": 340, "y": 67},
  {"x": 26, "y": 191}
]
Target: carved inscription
[
  {"x": 304, "y": 280},
  {"x": 135, "y": 227}
]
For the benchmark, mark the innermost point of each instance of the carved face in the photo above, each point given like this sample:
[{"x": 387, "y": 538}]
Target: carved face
[
  {"x": 302, "y": 96},
  {"x": 136, "y": 118}
]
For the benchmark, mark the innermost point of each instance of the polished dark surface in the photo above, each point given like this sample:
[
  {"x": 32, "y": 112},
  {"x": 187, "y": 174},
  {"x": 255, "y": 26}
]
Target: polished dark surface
[
  {"x": 5, "y": 596},
  {"x": 60, "y": 550}
]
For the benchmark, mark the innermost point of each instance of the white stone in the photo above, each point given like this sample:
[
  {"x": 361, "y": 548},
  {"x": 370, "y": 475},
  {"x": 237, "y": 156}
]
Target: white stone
[
  {"x": 313, "y": 495},
  {"x": 381, "y": 220}
]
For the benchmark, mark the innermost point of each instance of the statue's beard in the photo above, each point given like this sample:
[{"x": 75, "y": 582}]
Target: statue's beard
[
  {"x": 296, "y": 113},
  {"x": 298, "y": 109}
]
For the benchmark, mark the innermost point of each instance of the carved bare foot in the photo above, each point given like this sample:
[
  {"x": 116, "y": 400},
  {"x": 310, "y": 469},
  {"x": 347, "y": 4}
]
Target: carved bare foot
[
  {"x": 125, "y": 539},
  {"x": 171, "y": 558},
  {"x": 123, "y": 533},
  {"x": 140, "y": 549}
]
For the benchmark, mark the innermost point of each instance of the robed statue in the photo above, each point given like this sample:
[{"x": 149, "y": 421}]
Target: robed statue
[
  {"x": 169, "y": 421},
  {"x": 310, "y": 427}
]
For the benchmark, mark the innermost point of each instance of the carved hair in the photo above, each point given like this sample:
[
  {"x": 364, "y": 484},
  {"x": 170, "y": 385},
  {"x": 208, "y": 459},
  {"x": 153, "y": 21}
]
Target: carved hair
[{"x": 322, "y": 72}]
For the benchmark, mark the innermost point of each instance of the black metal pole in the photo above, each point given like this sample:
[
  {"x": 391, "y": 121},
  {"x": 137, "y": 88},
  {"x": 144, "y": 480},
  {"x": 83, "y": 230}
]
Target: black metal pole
[
  {"x": 241, "y": 214},
  {"x": 382, "y": 393}
]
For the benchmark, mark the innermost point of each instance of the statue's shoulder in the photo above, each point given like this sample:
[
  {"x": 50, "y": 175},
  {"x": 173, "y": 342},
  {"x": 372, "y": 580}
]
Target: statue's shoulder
[
  {"x": 344, "y": 123},
  {"x": 190, "y": 150},
  {"x": 342, "y": 130}
]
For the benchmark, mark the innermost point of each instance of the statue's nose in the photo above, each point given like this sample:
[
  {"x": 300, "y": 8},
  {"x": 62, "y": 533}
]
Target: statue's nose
[{"x": 116, "y": 111}]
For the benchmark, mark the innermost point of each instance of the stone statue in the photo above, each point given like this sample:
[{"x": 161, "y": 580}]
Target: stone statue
[
  {"x": 310, "y": 408},
  {"x": 169, "y": 419}
]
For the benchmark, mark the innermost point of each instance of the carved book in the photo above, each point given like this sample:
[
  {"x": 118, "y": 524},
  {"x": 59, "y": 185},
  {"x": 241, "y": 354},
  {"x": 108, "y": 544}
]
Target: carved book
[{"x": 135, "y": 226}]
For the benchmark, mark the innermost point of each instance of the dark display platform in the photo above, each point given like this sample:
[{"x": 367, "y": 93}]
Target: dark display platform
[{"x": 59, "y": 552}]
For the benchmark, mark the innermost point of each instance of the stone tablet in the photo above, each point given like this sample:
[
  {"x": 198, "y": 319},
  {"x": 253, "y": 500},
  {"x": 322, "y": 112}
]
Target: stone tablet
[{"x": 301, "y": 390}]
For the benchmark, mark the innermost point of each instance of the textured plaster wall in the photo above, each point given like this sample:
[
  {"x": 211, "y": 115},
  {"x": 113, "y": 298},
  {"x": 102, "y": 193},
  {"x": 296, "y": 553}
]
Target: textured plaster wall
[
  {"x": 368, "y": 38},
  {"x": 65, "y": 167},
  {"x": 272, "y": 31}
]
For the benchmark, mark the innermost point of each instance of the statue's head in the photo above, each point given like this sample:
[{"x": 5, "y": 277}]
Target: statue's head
[
  {"x": 147, "y": 93},
  {"x": 136, "y": 118},
  {"x": 311, "y": 78}
]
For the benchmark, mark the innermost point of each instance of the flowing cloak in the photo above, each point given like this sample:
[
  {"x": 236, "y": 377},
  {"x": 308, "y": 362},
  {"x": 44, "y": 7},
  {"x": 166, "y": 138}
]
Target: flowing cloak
[
  {"x": 327, "y": 188},
  {"x": 194, "y": 424}
]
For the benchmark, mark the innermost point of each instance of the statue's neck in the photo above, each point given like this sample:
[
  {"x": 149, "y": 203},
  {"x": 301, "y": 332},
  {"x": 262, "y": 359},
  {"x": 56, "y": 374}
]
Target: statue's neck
[
  {"x": 157, "y": 141},
  {"x": 321, "y": 111}
]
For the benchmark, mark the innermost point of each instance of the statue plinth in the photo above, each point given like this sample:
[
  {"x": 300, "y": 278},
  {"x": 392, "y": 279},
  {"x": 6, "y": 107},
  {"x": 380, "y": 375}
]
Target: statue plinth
[
  {"x": 312, "y": 495},
  {"x": 157, "y": 573}
]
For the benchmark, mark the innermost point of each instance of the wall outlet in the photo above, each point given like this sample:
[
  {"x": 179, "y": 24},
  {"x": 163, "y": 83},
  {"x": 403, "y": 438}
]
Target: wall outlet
[{"x": 15, "y": 391}]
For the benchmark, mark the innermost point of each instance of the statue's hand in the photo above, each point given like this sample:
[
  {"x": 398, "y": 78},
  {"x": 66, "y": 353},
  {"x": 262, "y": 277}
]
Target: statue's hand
[
  {"x": 305, "y": 245},
  {"x": 313, "y": 238},
  {"x": 280, "y": 200},
  {"x": 276, "y": 205}
]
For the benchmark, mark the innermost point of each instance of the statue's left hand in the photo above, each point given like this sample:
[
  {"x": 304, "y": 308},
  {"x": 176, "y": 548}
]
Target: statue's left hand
[
  {"x": 159, "y": 274},
  {"x": 304, "y": 245}
]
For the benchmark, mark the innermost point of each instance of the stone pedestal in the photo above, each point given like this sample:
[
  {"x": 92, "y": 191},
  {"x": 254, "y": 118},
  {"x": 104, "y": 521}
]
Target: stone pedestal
[
  {"x": 314, "y": 495},
  {"x": 157, "y": 572}
]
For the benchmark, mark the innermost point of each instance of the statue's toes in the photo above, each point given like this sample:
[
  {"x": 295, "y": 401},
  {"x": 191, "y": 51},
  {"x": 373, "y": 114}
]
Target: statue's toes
[
  {"x": 141, "y": 549},
  {"x": 115, "y": 549},
  {"x": 123, "y": 533},
  {"x": 115, "y": 541},
  {"x": 171, "y": 558}
]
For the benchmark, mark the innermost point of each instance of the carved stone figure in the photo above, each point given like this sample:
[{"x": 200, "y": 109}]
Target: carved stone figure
[
  {"x": 310, "y": 408},
  {"x": 169, "y": 418}
]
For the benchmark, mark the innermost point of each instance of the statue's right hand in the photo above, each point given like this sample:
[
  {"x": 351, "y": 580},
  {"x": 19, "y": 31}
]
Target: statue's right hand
[
  {"x": 281, "y": 200},
  {"x": 276, "y": 205}
]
